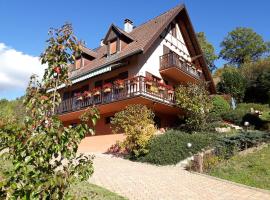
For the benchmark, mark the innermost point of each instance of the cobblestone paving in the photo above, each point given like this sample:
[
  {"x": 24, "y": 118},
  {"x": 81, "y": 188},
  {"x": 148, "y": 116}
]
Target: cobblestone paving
[{"x": 143, "y": 181}]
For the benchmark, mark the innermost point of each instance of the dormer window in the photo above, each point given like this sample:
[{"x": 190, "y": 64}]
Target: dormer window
[
  {"x": 116, "y": 40},
  {"x": 113, "y": 47}
]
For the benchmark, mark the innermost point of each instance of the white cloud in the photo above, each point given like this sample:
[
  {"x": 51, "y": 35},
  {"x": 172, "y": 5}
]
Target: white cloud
[{"x": 16, "y": 68}]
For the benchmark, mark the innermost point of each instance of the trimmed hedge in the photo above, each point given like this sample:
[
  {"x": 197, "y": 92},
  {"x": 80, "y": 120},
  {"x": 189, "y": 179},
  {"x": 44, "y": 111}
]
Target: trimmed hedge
[{"x": 171, "y": 147}]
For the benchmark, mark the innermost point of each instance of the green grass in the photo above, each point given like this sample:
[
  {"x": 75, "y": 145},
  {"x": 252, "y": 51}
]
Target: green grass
[
  {"x": 79, "y": 190},
  {"x": 252, "y": 169},
  {"x": 91, "y": 191}
]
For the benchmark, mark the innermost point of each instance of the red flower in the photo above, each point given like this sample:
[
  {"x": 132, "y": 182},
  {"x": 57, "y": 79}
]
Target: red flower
[
  {"x": 57, "y": 70},
  {"x": 107, "y": 85}
]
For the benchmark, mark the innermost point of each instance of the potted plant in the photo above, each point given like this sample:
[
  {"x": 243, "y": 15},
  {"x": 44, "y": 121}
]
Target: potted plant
[
  {"x": 148, "y": 81},
  {"x": 96, "y": 91},
  {"x": 154, "y": 89},
  {"x": 87, "y": 94},
  {"x": 119, "y": 84},
  {"x": 161, "y": 86},
  {"x": 134, "y": 80},
  {"x": 169, "y": 89},
  {"x": 107, "y": 87},
  {"x": 78, "y": 96}
]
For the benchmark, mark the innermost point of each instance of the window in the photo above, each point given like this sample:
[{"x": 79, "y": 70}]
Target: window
[
  {"x": 108, "y": 120},
  {"x": 84, "y": 88},
  {"x": 113, "y": 47},
  {"x": 153, "y": 77},
  {"x": 123, "y": 75},
  {"x": 98, "y": 83},
  {"x": 66, "y": 95}
]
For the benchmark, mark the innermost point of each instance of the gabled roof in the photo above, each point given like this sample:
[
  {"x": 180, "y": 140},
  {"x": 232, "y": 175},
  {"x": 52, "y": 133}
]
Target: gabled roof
[
  {"x": 143, "y": 38},
  {"x": 119, "y": 31},
  {"x": 88, "y": 51}
]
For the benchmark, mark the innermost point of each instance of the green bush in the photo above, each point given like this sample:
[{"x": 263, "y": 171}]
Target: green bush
[
  {"x": 137, "y": 123},
  {"x": 228, "y": 146},
  {"x": 195, "y": 101},
  {"x": 171, "y": 147},
  {"x": 220, "y": 106},
  {"x": 243, "y": 113}
]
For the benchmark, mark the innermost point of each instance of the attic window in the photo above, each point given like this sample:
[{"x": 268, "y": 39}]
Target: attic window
[{"x": 113, "y": 47}]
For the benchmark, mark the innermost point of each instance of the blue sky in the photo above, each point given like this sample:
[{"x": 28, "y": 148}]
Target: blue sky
[{"x": 24, "y": 24}]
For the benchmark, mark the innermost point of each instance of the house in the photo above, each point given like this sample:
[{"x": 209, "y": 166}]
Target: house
[{"x": 136, "y": 65}]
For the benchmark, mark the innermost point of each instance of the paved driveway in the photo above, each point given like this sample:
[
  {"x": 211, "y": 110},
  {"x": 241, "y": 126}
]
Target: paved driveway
[{"x": 143, "y": 181}]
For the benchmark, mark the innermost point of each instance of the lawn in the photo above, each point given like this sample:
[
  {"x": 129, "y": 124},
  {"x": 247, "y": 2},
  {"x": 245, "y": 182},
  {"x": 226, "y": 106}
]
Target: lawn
[
  {"x": 79, "y": 190},
  {"x": 251, "y": 169}
]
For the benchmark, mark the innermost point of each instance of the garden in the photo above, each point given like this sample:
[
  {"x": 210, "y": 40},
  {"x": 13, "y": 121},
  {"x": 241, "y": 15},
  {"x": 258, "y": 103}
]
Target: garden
[{"x": 211, "y": 135}]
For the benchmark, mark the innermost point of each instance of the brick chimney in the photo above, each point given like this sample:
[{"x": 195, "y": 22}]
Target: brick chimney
[{"x": 128, "y": 25}]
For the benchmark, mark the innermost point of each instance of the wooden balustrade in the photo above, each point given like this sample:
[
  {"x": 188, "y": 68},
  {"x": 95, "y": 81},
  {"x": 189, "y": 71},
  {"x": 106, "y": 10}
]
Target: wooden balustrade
[
  {"x": 137, "y": 86},
  {"x": 174, "y": 60}
]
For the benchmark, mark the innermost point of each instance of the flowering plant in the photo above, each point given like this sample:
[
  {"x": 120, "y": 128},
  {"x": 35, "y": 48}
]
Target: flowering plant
[
  {"x": 78, "y": 96},
  {"x": 119, "y": 83},
  {"x": 107, "y": 87},
  {"x": 161, "y": 85},
  {"x": 134, "y": 80},
  {"x": 96, "y": 91},
  {"x": 148, "y": 80},
  {"x": 169, "y": 89},
  {"x": 87, "y": 94}
]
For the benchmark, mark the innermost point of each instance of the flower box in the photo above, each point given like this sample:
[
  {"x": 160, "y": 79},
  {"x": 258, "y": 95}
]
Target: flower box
[
  {"x": 107, "y": 90},
  {"x": 170, "y": 91},
  {"x": 134, "y": 80},
  {"x": 161, "y": 86},
  {"x": 87, "y": 94},
  {"x": 148, "y": 81},
  {"x": 119, "y": 84},
  {"x": 79, "y": 96},
  {"x": 96, "y": 91},
  {"x": 107, "y": 87}
]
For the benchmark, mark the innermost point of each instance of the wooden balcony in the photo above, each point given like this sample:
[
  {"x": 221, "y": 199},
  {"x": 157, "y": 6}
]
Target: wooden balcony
[
  {"x": 177, "y": 68},
  {"x": 131, "y": 88}
]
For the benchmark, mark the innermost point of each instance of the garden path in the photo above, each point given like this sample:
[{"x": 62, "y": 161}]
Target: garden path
[{"x": 139, "y": 181}]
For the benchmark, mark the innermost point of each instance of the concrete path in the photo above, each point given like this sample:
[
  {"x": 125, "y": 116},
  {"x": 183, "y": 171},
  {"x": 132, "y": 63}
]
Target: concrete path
[{"x": 143, "y": 181}]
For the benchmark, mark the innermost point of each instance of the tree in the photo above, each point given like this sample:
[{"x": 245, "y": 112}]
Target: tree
[
  {"x": 243, "y": 45},
  {"x": 195, "y": 101},
  {"x": 137, "y": 123},
  {"x": 256, "y": 88},
  {"x": 232, "y": 82},
  {"x": 208, "y": 51},
  {"x": 44, "y": 152}
]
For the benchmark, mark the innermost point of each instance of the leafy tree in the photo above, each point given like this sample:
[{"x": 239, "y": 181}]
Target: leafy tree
[
  {"x": 195, "y": 101},
  {"x": 12, "y": 111},
  {"x": 137, "y": 123},
  {"x": 243, "y": 45},
  {"x": 256, "y": 88},
  {"x": 43, "y": 152},
  {"x": 208, "y": 51},
  {"x": 232, "y": 82}
]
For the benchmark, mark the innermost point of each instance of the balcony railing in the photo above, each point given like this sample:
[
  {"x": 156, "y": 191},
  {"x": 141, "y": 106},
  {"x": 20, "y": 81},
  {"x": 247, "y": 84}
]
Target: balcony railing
[
  {"x": 137, "y": 86},
  {"x": 172, "y": 59}
]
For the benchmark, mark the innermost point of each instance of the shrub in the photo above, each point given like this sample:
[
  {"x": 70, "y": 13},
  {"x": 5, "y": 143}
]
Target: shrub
[
  {"x": 220, "y": 105},
  {"x": 137, "y": 123},
  {"x": 171, "y": 147},
  {"x": 195, "y": 101},
  {"x": 232, "y": 82},
  {"x": 243, "y": 113},
  {"x": 228, "y": 146}
]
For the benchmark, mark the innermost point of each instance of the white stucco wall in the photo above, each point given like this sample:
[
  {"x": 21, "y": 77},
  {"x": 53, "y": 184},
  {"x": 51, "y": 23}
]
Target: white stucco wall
[{"x": 149, "y": 62}]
